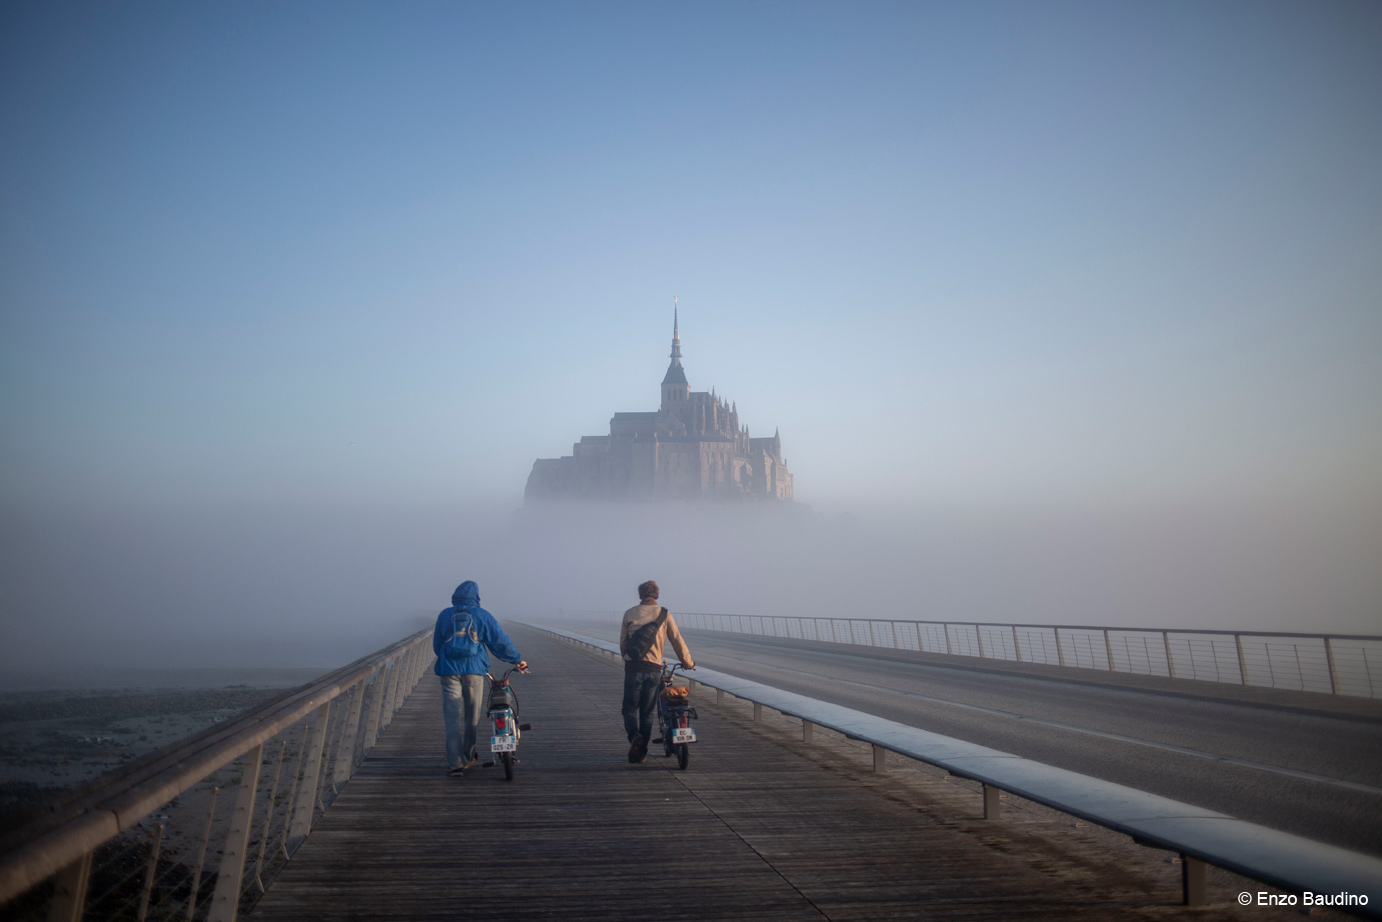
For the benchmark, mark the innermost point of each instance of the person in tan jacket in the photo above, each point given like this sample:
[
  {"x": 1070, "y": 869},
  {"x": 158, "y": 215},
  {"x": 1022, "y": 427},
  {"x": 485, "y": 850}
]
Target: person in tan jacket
[{"x": 642, "y": 673}]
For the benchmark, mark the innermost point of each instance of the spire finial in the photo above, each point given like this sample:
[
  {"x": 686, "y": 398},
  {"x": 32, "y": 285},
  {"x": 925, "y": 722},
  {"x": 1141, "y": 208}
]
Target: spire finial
[{"x": 676, "y": 334}]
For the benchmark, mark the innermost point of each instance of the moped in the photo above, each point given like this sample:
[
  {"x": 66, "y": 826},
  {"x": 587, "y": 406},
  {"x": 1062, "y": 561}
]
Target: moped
[
  {"x": 503, "y": 712},
  {"x": 675, "y": 714}
]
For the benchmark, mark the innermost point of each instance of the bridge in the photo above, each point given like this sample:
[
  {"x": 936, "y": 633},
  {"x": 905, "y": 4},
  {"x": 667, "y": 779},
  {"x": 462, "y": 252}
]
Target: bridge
[{"x": 332, "y": 803}]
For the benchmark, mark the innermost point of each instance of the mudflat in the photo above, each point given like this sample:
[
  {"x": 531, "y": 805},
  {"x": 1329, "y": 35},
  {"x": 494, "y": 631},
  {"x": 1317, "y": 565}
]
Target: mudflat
[{"x": 54, "y": 740}]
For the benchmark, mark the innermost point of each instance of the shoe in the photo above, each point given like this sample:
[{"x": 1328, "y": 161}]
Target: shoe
[
  {"x": 634, "y": 752},
  {"x": 460, "y": 770},
  {"x": 642, "y": 751}
]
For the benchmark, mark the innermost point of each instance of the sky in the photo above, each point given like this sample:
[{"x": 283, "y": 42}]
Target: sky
[{"x": 1061, "y": 309}]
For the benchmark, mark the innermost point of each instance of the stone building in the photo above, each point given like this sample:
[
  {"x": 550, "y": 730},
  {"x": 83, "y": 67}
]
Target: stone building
[{"x": 691, "y": 448}]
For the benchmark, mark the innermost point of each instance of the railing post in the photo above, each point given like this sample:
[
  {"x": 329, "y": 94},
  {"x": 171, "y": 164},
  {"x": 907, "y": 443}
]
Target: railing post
[
  {"x": 1060, "y": 653},
  {"x": 395, "y": 676},
  {"x": 413, "y": 657},
  {"x": 945, "y": 629},
  {"x": 268, "y": 817},
  {"x": 1108, "y": 650},
  {"x": 375, "y": 691},
  {"x": 719, "y": 696},
  {"x": 419, "y": 664},
  {"x": 225, "y": 900},
  {"x": 201, "y": 856},
  {"x": 345, "y": 752},
  {"x": 1170, "y": 658},
  {"x": 390, "y": 687},
  {"x": 979, "y": 636},
  {"x": 382, "y": 700},
  {"x": 991, "y": 795},
  {"x": 336, "y": 712},
  {"x": 895, "y": 644},
  {"x": 1192, "y": 883},
  {"x": 807, "y": 731},
  {"x": 1016, "y": 649},
  {"x": 69, "y": 899},
  {"x": 757, "y": 711},
  {"x": 296, "y": 783},
  {"x": 301, "y": 822},
  {"x": 147, "y": 890},
  {"x": 880, "y": 758},
  {"x": 406, "y": 663},
  {"x": 1333, "y": 673},
  {"x": 1242, "y": 663}
]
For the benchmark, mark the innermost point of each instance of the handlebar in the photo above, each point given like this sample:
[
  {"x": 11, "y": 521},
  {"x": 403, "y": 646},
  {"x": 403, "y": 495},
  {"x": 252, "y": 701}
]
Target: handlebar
[{"x": 510, "y": 671}]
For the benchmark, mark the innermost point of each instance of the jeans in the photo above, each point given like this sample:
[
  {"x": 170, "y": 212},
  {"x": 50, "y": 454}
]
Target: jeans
[
  {"x": 640, "y": 701},
  {"x": 462, "y": 705}
]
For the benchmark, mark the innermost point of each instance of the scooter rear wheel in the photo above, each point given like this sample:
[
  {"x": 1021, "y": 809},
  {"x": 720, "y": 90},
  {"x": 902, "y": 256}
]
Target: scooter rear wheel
[
  {"x": 507, "y": 759},
  {"x": 683, "y": 755}
]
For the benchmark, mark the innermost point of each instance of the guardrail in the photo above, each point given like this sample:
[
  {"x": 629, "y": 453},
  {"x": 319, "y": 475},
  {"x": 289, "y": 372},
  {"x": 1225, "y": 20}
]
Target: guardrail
[
  {"x": 1201, "y": 837},
  {"x": 1341, "y": 664},
  {"x": 199, "y": 829}
]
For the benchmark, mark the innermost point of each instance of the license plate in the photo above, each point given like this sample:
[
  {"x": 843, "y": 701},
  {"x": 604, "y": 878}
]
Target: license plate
[
  {"x": 684, "y": 735},
  {"x": 502, "y": 744}
]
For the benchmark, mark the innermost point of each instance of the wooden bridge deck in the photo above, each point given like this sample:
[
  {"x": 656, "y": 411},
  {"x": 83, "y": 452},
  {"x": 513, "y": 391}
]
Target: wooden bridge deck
[{"x": 759, "y": 827}]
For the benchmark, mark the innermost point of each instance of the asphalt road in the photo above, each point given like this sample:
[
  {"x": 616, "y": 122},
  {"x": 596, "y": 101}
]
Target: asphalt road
[{"x": 1314, "y": 774}]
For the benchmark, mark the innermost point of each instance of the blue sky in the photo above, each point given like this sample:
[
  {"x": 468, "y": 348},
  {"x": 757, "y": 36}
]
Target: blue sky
[{"x": 981, "y": 255}]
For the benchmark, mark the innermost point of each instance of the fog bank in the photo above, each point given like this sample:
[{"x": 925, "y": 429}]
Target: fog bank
[{"x": 314, "y": 587}]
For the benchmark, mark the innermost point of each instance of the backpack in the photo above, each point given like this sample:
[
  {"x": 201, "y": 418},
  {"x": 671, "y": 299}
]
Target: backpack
[
  {"x": 464, "y": 641},
  {"x": 641, "y": 640}
]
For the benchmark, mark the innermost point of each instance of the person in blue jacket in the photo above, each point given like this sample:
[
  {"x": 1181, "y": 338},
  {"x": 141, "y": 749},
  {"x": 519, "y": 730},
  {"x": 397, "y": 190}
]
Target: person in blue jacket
[{"x": 462, "y": 635}]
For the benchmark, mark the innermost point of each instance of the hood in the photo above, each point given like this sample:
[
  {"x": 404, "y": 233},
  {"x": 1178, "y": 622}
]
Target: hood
[{"x": 467, "y": 595}]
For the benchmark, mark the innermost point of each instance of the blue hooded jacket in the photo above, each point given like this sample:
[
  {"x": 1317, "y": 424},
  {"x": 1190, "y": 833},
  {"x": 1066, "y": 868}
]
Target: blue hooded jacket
[{"x": 466, "y": 615}]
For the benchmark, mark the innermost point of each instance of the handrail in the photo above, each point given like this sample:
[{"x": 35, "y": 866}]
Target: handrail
[
  {"x": 1340, "y": 664},
  {"x": 117, "y": 801},
  {"x": 1278, "y": 858}
]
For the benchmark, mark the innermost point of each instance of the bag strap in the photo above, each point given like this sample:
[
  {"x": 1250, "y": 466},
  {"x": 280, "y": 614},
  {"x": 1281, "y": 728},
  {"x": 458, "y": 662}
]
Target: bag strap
[{"x": 655, "y": 624}]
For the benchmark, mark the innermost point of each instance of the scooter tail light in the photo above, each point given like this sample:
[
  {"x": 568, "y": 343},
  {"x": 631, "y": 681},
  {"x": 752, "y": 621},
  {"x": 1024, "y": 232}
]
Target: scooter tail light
[{"x": 501, "y": 722}]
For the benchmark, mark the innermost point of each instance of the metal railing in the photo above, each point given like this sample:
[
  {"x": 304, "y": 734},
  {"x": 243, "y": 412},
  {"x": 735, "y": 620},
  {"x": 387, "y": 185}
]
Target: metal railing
[
  {"x": 1201, "y": 837},
  {"x": 199, "y": 830},
  {"x": 1340, "y": 664}
]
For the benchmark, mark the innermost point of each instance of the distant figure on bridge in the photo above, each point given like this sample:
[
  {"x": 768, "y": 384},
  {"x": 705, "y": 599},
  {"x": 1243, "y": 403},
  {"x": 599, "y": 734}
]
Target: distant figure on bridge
[
  {"x": 463, "y": 633},
  {"x": 640, "y": 643}
]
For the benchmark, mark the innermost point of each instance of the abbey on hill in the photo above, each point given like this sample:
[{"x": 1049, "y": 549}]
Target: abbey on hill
[{"x": 691, "y": 448}]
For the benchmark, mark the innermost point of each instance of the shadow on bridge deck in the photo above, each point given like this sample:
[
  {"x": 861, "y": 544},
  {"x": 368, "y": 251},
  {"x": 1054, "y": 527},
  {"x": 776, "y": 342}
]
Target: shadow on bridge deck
[{"x": 759, "y": 827}]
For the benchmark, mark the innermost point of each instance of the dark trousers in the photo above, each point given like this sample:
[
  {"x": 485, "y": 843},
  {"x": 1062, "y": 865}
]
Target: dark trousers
[{"x": 640, "y": 701}]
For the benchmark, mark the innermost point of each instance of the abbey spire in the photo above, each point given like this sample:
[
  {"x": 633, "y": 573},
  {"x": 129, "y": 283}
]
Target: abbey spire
[{"x": 676, "y": 391}]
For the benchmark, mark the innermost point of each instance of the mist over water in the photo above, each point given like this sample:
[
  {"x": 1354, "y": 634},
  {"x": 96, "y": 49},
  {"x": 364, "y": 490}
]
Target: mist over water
[
  {"x": 94, "y": 592},
  {"x": 1166, "y": 568}
]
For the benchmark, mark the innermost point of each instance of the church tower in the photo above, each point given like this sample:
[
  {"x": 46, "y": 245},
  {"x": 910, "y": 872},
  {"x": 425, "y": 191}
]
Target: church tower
[{"x": 676, "y": 392}]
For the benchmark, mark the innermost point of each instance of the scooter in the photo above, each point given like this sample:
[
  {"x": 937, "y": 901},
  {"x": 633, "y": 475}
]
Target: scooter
[
  {"x": 675, "y": 714},
  {"x": 503, "y": 711}
]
